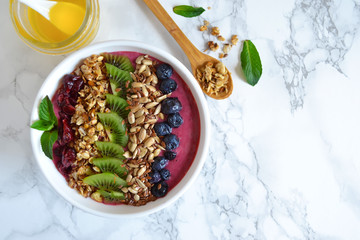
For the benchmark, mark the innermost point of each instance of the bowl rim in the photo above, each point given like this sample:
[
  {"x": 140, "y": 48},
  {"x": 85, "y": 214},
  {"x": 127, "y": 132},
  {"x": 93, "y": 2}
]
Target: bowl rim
[{"x": 121, "y": 45}]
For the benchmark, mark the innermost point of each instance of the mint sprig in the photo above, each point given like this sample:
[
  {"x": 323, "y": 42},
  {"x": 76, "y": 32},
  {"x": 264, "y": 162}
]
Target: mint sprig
[
  {"x": 47, "y": 116},
  {"x": 251, "y": 63},
  {"x": 47, "y": 140},
  {"x": 43, "y": 125},
  {"x": 48, "y": 124},
  {"x": 188, "y": 11}
]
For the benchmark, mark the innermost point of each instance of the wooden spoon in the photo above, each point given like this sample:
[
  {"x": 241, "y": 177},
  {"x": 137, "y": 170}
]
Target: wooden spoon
[{"x": 197, "y": 59}]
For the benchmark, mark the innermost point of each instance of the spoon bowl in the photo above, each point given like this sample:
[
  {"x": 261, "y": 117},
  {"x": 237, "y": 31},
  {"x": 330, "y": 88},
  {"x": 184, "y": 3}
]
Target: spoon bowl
[{"x": 197, "y": 59}]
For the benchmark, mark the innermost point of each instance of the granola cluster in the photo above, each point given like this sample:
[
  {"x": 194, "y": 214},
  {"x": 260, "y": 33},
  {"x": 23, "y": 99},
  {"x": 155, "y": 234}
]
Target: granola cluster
[
  {"x": 214, "y": 46},
  {"x": 85, "y": 124},
  {"x": 213, "y": 79}
]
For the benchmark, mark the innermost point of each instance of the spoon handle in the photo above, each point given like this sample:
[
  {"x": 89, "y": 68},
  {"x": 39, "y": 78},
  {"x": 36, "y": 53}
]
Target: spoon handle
[{"x": 190, "y": 50}]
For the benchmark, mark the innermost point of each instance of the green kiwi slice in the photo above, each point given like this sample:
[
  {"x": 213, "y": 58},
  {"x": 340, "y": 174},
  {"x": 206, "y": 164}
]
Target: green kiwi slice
[
  {"x": 118, "y": 105},
  {"x": 112, "y": 165},
  {"x": 111, "y": 196},
  {"x": 119, "y": 61},
  {"x": 120, "y": 80},
  {"x": 109, "y": 149},
  {"x": 115, "y": 127},
  {"x": 108, "y": 181}
]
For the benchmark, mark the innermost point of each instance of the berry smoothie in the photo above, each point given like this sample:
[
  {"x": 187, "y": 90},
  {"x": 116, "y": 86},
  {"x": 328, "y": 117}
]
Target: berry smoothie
[{"x": 188, "y": 132}]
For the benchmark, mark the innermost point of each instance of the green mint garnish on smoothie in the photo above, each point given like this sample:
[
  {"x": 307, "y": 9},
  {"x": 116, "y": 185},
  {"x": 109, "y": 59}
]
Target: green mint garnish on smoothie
[
  {"x": 47, "y": 141},
  {"x": 188, "y": 11},
  {"x": 251, "y": 63},
  {"x": 48, "y": 123}
]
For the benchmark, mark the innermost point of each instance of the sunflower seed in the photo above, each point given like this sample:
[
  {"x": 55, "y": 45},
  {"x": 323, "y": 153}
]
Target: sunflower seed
[
  {"x": 157, "y": 152},
  {"x": 143, "y": 100},
  {"x": 159, "y": 99},
  {"x": 133, "y": 191},
  {"x": 139, "y": 59},
  {"x": 142, "y": 135},
  {"x": 145, "y": 91},
  {"x": 136, "y": 197},
  {"x": 140, "y": 183},
  {"x": 143, "y": 152},
  {"x": 142, "y": 69},
  {"x": 157, "y": 110},
  {"x": 141, "y": 171},
  {"x": 139, "y": 113},
  {"x": 127, "y": 154},
  {"x": 131, "y": 118},
  {"x": 151, "y": 105},
  {"x": 132, "y": 146},
  {"x": 150, "y": 141},
  {"x": 140, "y": 120},
  {"x": 137, "y": 84},
  {"x": 147, "y": 62},
  {"x": 136, "y": 108},
  {"x": 135, "y": 129}
]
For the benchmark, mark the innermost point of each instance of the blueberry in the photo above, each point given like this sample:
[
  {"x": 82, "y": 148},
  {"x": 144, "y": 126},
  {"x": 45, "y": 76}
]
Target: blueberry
[
  {"x": 171, "y": 105},
  {"x": 160, "y": 189},
  {"x": 163, "y": 71},
  {"x": 170, "y": 155},
  {"x": 162, "y": 129},
  {"x": 155, "y": 177},
  {"x": 168, "y": 86},
  {"x": 159, "y": 163},
  {"x": 165, "y": 174},
  {"x": 171, "y": 141},
  {"x": 175, "y": 120}
]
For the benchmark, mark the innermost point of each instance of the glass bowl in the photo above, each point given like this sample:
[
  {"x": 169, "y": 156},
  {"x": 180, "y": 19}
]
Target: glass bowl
[{"x": 84, "y": 35}]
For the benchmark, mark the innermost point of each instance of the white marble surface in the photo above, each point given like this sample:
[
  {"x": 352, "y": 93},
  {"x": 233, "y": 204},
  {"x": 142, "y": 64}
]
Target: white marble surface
[{"x": 284, "y": 160}]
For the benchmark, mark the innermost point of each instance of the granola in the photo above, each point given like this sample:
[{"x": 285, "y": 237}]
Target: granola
[{"x": 213, "y": 79}]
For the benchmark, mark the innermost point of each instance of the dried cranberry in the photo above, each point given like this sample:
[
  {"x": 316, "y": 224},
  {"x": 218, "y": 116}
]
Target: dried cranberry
[
  {"x": 68, "y": 157},
  {"x": 72, "y": 83},
  {"x": 63, "y": 115},
  {"x": 60, "y": 99},
  {"x": 67, "y": 133},
  {"x": 68, "y": 109},
  {"x": 78, "y": 84},
  {"x": 57, "y": 149},
  {"x": 72, "y": 100}
]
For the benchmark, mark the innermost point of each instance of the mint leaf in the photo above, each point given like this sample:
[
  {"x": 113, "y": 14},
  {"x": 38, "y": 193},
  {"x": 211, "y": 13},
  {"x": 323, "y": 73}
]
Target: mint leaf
[
  {"x": 188, "y": 11},
  {"x": 47, "y": 141},
  {"x": 43, "y": 125},
  {"x": 251, "y": 63},
  {"x": 46, "y": 111}
]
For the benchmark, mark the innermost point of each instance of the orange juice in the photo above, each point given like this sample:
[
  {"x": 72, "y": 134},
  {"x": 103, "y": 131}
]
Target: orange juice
[{"x": 65, "y": 20}]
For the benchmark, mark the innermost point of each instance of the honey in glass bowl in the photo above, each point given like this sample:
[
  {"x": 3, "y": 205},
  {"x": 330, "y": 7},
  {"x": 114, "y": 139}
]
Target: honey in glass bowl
[{"x": 78, "y": 26}]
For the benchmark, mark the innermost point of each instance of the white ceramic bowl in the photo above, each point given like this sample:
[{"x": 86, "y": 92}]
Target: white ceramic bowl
[{"x": 57, "y": 180}]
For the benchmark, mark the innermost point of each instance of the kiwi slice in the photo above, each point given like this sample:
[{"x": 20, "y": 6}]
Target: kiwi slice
[
  {"x": 108, "y": 181},
  {"x": 109, "y": 149},
  {"x": 112, "y": 165},
  {"x": 118, "y": 105},
  {"x": 115, "y": 127},
  {"x": 119, "y": 61},
  {"x": 120, "y": 80},
  {"x": 111, "y": 196}
]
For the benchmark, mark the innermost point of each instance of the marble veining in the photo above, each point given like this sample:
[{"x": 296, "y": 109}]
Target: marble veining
[{"x": 284, "y": 155}]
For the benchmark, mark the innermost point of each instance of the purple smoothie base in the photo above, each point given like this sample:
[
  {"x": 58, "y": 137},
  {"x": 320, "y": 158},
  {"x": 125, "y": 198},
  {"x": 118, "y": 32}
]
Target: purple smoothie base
[{"x": 188, "y": 132}]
